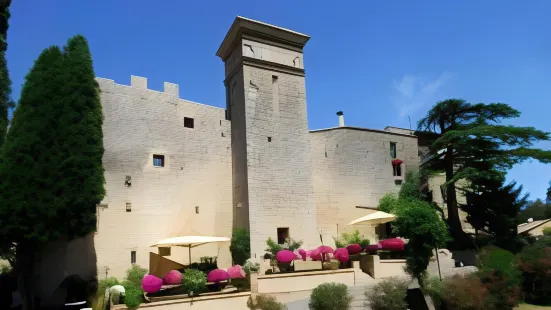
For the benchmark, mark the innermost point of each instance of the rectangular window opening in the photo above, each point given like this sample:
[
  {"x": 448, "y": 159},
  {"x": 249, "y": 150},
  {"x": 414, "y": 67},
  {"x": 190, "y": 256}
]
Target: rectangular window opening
[
  {"x": 397, "y": 171},
  {"x": 196, "y": 209},
  {"x": 393, "y": 149},
  {"x": 269, "y": 139},
  {"x": 282, "y": 234},
  {"x": 132, "y": 257},
  {"x": 164, "y": 251},
  {"x": 189, "y": 122},
  {"x": 158, "y": 160},
  {"x": 128, "y": 207}
]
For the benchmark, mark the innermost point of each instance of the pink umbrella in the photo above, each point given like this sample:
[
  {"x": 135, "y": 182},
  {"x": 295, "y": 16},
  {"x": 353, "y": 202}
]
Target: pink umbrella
[{"x": 324, "y": 250}]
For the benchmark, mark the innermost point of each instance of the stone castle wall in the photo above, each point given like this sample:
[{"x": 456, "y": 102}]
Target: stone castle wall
[
  {"x": 352, "y": 167},
  {"x": 139, "y": 123}
]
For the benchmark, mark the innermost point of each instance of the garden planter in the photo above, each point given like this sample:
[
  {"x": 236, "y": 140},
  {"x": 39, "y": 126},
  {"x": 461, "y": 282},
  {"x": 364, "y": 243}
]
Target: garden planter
[
  {"x": 331, "y": 265},
  {"x": 217, "y": 286},
  {"x": 241, "y": 284},
  {"x": 284, "y": 267},
  {"x": 301, "y": 265}
]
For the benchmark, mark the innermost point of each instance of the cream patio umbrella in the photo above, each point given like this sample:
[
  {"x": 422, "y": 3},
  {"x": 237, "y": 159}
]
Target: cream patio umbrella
[
  {"x": 189, "y": 242},
  {"x": 374, "y": 218}
]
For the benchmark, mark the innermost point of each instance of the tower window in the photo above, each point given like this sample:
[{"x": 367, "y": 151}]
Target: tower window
[
  {"x": 158, "y": 160},
  {"x": 189, "y": 122},
  {"x": 132, "y": 257},
  {"x": 393, "y": 149},
  {"x": 128, "y": 207}
]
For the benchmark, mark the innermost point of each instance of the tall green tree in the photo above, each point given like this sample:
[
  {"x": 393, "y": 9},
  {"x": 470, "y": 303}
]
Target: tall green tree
[
  {"x": 51, "y": 171},
  {"x": 548, "y": 196},
  {"x": 493, "y": 207},
  {"x": 536, "y": 210},
  {"x": 470, "y": 143},
  {"x": 5, "y": 82}
]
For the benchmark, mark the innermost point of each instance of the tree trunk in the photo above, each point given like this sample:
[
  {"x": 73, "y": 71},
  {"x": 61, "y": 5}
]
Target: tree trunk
[
  {"x": 451, "y": 199},
  {"x": 25, "y": 266}
]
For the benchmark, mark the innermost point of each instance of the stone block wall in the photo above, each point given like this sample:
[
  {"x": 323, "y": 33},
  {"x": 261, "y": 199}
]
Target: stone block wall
[
  {"x": 352, "y": 167},
  {"x": 139, "y": 123}
]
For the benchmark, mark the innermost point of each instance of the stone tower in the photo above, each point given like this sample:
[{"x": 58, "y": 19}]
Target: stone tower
[{"x": 271, "y": 159}]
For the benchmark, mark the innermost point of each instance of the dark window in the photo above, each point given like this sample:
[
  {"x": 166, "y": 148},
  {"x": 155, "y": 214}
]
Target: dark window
[
  {"x": 189, "y": 122},
  {"x": 196, "y": 209},
  {"x": 269, "y": 139},
  {"x": 282, "y": 234},
  {"x": 158, "y": 160},
  {"x": 132, "y": 257},
  {"x": 164, "y": 251},
  {"x": 128, "y": 207},
  {"x": 393, "y": 149},
  {"x": 397, "y": 171}
]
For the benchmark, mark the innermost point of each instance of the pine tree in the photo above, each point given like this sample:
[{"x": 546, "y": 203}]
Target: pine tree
[
  {"x": 51, "y": 173},
  {"x": 5, "y": 81},
  {"x": 469, "y": 143}
]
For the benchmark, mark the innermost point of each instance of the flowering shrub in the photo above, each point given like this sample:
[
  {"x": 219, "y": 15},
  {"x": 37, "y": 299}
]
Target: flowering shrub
[
  {"x": 302, "y": 253},
  {"x": 151, "y": 284},
  {"x": 218, "y": 275},
  {"x": 465, "y": 292},
  {"x": 354, "y": 249},
  {"x": 315, "y": 254},
  {"x": 393, "y": 244},
  {"x": 341, "y": 255},
  {"x": 285, "y": 256},
  {"x": 535, "y": 264},
  {"x": 172, "y": 278},
  {"x": 236, "y": 272}
]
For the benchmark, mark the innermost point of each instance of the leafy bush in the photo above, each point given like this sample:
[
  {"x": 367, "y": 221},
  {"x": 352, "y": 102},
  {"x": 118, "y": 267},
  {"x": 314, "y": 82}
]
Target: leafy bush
[
  {"x": 418, "y": 222},
  {"x": 5, "y": 268},
  {"x": 387, "y": 203},
  {"x": 434, "y": 287},
  {"x": 500, "y": 274},
  {"x": 135, "y": 275},
  {"x": 251, "y": 266},
  {"x": 465, "y": 293},
  {"x": 133, "y": 295},
  {"x": 535, "y": 264},
  {"x": 351, "y": 238},
  {"x": 388, "y": 294},
  {"x": 290, "y": 244},
  {"x": 194, "y": 281},
  {"x": 330, "y": 296},
  {"x": 107, "y": 283},
  {"x": 547, "y": 231},
  {"x": 264, "y": 302},
  {"x": 240, "y": 246}
]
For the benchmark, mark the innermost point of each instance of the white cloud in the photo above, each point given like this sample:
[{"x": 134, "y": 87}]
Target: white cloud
[{"x": 412, "y": 93}]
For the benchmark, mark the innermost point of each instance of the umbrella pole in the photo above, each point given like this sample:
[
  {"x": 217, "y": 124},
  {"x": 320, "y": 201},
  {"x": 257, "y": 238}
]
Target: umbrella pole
[{"x": 189, "y": 253}]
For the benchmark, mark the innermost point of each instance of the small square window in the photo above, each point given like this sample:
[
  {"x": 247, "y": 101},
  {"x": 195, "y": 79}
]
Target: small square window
[
  {"x": 189, "y": 122},
  {"x": 282, "y": 234},
  {"x": 158, "y": 160},
  {"x": 132, "y": 257},
  {"x": 128, "y": 207}
]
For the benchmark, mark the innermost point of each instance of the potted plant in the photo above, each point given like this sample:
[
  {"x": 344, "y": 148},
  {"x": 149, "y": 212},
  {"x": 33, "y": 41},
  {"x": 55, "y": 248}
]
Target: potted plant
[
  {"x": 238, "y": 277},
  {"x": 284, "y": 259},
  {"x": 194, "y": 282},
  {"x": 218, "y": 279}
]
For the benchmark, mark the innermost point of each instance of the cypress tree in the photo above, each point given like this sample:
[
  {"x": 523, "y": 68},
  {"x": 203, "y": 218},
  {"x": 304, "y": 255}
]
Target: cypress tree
[
  {"x": 5, "y": 82},
  {"x": 51, "y": 173}
]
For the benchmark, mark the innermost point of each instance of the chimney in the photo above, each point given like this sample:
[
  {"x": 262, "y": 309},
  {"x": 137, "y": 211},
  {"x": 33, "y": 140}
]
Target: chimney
[{"x": 341, "y": 118}]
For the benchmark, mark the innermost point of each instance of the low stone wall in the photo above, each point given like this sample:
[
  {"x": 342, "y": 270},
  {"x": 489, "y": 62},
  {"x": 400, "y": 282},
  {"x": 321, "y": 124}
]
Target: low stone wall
[
  {"x": 234, "y": 301},
  {"x": 382, "y": 268},
  {"x": 301, "y": 281}
]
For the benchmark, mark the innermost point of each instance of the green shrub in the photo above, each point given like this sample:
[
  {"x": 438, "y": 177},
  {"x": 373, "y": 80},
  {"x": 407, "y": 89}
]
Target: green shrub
[
  {"x": 535, "y": 264},
  {"x": 133, "y": 295},
  {"x": 434, "y": 287},
  {"x": 135, "y": 275},
  {"x": 387, "y": 203},
  {"x": 273, "y": 247},
  {"x": 351, "y": 238},
  {"x": 330, "y": 296},
  {"x": 240, "y": 246},
  {"x": 465, "y": 292},
  {"x": 547, "y": 231},
  {"x": 388, "y": 294},
  {"x": 264, "y": 302},
  {"x": 194, "y": 281},
  {"x": 107, "y": 283},
  {"x": 5, "y": 268},
  {"x": 251, "y": 266}
]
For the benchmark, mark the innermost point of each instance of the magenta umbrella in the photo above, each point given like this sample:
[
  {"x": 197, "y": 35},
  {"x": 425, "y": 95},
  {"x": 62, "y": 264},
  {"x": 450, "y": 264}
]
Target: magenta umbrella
[{"x": 324, "y": 250}]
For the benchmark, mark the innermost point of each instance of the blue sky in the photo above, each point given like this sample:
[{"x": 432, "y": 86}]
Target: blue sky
[{"x": 378, "y": 61}]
